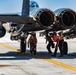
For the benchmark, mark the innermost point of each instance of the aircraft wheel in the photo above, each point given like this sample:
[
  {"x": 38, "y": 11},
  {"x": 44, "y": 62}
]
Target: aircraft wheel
[
  {"x": 22, "y": 45},
  {"x": 65, "y": 48}
]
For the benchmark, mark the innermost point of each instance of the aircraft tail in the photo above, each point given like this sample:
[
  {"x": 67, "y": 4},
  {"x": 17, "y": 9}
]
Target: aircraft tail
[{"x": 25, "y": 8}]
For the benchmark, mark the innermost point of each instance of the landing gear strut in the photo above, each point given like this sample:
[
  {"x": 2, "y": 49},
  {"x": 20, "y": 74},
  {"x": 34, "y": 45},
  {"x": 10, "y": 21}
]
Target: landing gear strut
[{"x": 23, "y": 45}]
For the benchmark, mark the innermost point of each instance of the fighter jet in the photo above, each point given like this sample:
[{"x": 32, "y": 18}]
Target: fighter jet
[{"x": 34, "y": 18}]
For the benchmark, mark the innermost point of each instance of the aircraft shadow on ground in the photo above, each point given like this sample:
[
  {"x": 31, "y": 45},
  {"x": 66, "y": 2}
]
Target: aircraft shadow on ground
[
  {"x": 48, "y": 56},
  {"x": 14, "y": 56},
  {"x": 40, "y": 55}
]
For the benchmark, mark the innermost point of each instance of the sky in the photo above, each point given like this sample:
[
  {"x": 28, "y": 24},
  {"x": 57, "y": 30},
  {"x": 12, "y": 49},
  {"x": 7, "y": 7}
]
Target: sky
[{"x": 12, "y": 6}]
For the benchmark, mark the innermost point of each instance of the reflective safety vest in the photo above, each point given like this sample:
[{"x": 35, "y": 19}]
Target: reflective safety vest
[
  {"x": 55, "y": 38},
  {"x": 60, "y": 37}
]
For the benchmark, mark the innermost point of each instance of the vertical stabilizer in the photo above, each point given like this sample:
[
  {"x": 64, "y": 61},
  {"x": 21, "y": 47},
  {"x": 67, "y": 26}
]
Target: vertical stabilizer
[{"x": 25, "y": 8}]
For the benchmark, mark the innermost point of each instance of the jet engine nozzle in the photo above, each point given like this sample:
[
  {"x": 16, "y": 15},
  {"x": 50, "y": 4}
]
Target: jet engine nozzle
[
  {"x": 2, "y": 31},
  {"x": 44, "y": 17},
  {"x": 66, "y": 17}
]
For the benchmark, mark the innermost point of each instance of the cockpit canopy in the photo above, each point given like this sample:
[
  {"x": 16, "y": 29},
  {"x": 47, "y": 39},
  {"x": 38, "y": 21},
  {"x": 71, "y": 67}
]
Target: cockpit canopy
[{"x": 33, "y": 5}]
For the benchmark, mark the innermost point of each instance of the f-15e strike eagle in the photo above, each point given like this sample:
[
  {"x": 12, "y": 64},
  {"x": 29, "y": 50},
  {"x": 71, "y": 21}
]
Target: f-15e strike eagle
[{"x": 34, "y": 18}]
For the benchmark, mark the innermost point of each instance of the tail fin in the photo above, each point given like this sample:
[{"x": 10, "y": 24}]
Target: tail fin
[{"x": 25, "y": 8}]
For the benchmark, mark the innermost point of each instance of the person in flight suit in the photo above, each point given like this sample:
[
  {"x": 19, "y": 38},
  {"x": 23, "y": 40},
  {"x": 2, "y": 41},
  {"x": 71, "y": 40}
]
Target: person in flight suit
[{"x": 33, "y": 43}]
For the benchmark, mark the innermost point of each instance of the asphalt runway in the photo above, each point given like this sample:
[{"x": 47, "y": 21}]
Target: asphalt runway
[{"x": 12, "y": 63}]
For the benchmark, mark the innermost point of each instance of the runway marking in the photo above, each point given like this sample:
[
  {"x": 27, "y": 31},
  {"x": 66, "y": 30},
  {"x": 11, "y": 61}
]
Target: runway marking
[
  {"x": 9, "y": 47},
  {"x": 58, "y": 63}
]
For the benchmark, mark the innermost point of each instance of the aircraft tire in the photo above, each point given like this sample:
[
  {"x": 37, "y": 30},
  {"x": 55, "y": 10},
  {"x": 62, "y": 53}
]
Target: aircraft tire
[
  {"x": 65, "y": 48},
  {"x": 22, "y": 45}
]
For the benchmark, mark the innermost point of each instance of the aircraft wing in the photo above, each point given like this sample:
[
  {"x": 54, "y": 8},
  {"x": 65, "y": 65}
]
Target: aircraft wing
[{"x": 15, "y": 18}]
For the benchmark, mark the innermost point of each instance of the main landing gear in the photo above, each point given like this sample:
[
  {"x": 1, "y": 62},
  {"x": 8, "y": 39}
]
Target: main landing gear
[{"x": 23, "y": 46}]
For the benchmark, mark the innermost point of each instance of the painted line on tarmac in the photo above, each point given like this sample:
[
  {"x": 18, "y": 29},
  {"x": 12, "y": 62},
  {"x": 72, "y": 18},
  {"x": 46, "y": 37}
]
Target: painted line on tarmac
[
  {"x": 69, "y": 67},
  {"x": 53, "y": 61},
  {"x": 7, "y": 46}
]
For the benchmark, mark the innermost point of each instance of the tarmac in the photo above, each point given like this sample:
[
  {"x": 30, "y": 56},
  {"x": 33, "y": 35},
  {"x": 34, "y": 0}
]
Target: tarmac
[{"x": 43, "y": 63}]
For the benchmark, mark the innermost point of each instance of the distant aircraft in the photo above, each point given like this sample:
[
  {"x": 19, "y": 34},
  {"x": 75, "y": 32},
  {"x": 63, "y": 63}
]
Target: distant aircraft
[{"x": 34, "y": 18}]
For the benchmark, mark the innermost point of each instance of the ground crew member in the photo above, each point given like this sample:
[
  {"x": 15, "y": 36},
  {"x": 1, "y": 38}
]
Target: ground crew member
[
  {"x": 50, "y": 43},
  {"x": 55, "y": 39},
  {"x": 33, "y": 43},
  {"x": 59, "y": 42}
]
